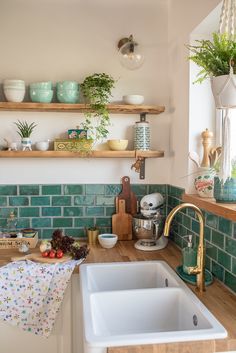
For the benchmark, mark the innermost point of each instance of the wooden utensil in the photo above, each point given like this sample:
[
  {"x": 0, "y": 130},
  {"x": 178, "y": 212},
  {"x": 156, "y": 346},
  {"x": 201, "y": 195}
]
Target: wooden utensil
[
  {"x": 122, "y": 222},
  {"x": 127, "y": 195},
  {"x": 37, "y": 257}
]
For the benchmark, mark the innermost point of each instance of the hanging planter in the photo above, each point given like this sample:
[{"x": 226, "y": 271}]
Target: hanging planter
[{"x": 224, "y": 90}]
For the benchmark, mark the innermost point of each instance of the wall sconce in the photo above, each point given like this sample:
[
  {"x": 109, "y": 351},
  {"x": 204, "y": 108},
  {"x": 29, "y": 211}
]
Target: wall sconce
[{"x": 130, "y": 53}]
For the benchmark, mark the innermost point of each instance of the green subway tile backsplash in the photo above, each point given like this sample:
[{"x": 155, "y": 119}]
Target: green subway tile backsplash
[{"x": 75, "y": 207}]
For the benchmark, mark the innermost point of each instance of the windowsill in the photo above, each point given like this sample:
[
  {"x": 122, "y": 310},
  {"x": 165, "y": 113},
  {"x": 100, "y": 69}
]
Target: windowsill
[{"x": 225, "y": 210}]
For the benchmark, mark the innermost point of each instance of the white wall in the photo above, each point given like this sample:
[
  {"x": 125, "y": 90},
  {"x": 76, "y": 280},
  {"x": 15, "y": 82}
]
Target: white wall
[
  {"x": 189, "y": 116},
  {"x": 70, "y": 39}
]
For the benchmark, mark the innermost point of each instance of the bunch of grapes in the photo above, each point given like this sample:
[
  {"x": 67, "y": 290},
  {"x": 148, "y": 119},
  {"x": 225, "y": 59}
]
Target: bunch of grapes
[{"x": 68, "y": 245}]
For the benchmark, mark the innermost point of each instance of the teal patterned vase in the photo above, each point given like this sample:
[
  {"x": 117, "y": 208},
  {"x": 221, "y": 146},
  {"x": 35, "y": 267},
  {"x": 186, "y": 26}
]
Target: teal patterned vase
[
  {"x": 142, "y": 138},
  {"x": 225, "y": 193}
]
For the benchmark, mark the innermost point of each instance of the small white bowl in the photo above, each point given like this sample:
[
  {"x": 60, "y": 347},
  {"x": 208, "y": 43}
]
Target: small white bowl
[
  {"x": 14, "y": 94},
  {"x": 133, "y": 99},
  {"x": 42, "y": 145},
  {"x": 107, "y": 240}
]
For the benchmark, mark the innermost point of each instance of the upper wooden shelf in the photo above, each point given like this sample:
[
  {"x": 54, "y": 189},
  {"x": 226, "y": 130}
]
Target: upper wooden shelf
[
  {"x": 92, "y": 154},
  {"x": 225, "y": 210},
  {"x": 80, "y": 108}
]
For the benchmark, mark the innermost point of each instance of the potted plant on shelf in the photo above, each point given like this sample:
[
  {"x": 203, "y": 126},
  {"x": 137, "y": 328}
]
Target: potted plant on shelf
[
  {"x": 92, "y": 234},
  {"x": 217, "y": 60},
  {"x": 25, "y": 130},
  {"x": 96, "y": 90}
]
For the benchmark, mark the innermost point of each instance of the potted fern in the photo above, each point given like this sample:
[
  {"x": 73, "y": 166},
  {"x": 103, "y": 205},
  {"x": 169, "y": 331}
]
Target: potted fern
[
  {"x": 96, "y": 90},
  {"x": 217, "y": 60},
  {"x": 25, "y": 130}
]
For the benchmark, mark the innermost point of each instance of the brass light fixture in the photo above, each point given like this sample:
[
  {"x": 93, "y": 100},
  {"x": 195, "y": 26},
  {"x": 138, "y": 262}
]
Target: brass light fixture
[{"x": 130, "y": 53}]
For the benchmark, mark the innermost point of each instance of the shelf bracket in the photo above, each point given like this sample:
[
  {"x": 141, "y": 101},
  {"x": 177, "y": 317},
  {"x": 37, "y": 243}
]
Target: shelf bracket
[
  {"x": 139, "y": 167},
  {"x": 143, "y": 117}
]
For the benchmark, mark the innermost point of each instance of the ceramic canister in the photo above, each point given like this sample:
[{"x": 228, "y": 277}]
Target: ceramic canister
[{"x": 142, "y": 138}]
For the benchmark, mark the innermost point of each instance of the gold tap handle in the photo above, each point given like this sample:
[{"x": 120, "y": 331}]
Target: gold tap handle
[{"x": 206, "y": 142}]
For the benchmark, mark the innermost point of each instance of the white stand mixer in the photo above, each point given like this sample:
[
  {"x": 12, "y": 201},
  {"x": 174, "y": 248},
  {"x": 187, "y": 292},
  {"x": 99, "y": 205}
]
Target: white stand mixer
[{"x": 146, "y": 225}]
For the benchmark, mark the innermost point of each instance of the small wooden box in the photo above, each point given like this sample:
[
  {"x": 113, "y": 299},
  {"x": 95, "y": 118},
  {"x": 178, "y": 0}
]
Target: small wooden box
[
  {"x": 73, "y": 145},
  {"x": 12, "y": 243}
]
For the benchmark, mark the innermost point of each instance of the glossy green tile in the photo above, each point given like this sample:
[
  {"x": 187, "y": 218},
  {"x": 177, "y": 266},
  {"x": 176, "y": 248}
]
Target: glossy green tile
[
  {"x": 5, "y": 211},
  {"x": 230, "y": 280},
  {"x": 47, "y": 233},
  {"x": 208, "y": 263},
  {"x": 112, "y": 189},
  {"x": 225, "y": 226},
  {"x": 224, "y": 259},
  {"x": 109, "y": 211},
  {"x": 23, "y": 223},
  {"x": 207, "y": 233},
  {"x": 217, "y": 239},
  {"x": 191, "y": 213},
  {"x": 230, "y": 246},
  {"x": 84, "y": 222},
  {"x": 195, "y": 226},
  {"x": 29, "y": 212},
  {"x": 140, "y": 189},
  {"x": 211, "y": 220},
  {"x": 40, "y": 201},
  {"x": 75, "y": 232},
  {"x": 161, "y": 188},
  {"x": 41, "y": 222},
  {"x": 105, "y": 200},
  {"x": 93, "y": 189},
  {"x": 18, "y": 201},
  {"x": 217, "y": 271},
  {"x": 234, "y": 265},
  {"x": 51, "y": 211},
  {"x": 94, "y": 211},
  {"x": 72, "y": 211},
  {"x": 103, "y": 222},
  {"x": 182, "y": 231},
  {"x": 8, "y": 190},
  {"x": 178, "y": 240},
  {"x": 62, "y": 222},
  {"x": 186, "y": 221},
  {"x": 103, "y": 230},
  {"x": 177, "y": 192},
  {"x": 61, "y": 200},
  {"x": 211, "y": 251},
  {"x": 84, "y": 200},
  {"x": 29, "y": 189},
  {"x": 73, "y": 189},
  {"x": 3, "y": 201},
  {"x": 51, "y": 189},
  {"x": 3, "y": 223}
]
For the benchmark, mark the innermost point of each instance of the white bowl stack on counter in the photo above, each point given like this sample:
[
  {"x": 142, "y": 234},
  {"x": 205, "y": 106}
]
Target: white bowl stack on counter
[{"x": 14, "y": 90}]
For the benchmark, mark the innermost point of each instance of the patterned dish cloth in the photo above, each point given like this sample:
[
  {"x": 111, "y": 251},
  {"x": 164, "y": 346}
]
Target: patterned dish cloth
[{"x": 31, "y": 293}]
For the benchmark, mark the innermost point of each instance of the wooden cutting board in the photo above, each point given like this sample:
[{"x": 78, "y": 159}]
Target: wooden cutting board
[
  {"x": 122, "y": 222},
  {"x": 37, "y": 257},
  {"x": 127, "y": 195}
]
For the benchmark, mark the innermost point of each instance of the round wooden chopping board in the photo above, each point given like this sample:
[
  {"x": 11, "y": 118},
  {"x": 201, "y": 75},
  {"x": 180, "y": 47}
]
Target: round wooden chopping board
[{"x": 37, "y": 257}]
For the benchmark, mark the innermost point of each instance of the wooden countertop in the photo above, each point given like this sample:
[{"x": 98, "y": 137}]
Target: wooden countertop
[{"x": 217, "y": 298}]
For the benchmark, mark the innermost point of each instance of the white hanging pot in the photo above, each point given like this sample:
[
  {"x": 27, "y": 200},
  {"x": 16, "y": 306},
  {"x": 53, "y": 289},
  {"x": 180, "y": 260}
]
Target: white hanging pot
[{"x": 224, "y": 90}]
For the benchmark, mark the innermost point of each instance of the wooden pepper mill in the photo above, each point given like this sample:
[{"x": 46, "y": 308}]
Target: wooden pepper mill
[{"x": 206, "y": 142}]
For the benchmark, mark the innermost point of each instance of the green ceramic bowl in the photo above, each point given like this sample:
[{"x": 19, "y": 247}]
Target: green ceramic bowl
[
  {"x": 64, "y": 85},
  {"x": 41, "y": 95},
  {"x": 47, "y": 85},
  {"x": 68, "y": 96}
]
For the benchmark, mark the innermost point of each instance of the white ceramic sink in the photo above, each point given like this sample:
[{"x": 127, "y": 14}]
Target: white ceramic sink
[{"x": 141, "y": 303}]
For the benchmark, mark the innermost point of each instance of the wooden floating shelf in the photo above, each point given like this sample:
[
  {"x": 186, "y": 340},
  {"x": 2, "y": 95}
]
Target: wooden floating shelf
[
  {"x": 80, "y": 108},
  {"x": 92, "y": 154}
]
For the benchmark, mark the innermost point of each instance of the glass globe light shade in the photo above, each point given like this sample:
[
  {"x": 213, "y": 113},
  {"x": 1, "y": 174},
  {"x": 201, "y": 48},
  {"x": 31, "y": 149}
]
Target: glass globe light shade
[{"x": 131, "y": 55}]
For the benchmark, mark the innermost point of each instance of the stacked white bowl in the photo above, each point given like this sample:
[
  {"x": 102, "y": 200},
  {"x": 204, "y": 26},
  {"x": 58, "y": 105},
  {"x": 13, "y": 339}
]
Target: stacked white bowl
[{"x": 14, "y": 90}]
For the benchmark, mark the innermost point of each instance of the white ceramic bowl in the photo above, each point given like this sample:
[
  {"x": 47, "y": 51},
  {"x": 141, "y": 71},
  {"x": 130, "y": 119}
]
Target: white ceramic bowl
[
  {"x": 42, "y": 145},
  {"x": 14, "y": 94},
  {"x": 107, "y": 240},
  {"x": 14, "y": 83},
  {"x": 118, "y": 145},
  {"x": 133, "y": 99}
]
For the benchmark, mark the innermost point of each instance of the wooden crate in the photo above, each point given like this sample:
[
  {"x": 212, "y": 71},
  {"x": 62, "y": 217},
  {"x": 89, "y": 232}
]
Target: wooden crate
[{"x": 12, "y": 243}]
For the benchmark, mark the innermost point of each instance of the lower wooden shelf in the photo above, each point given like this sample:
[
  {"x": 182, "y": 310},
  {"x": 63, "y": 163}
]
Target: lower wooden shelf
[{"x": 92, "y": 154}]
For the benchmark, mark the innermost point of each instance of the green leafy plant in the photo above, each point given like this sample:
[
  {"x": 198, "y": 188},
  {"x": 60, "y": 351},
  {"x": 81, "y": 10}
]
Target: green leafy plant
[
  {"x": 214, "y": 56},
  {"x": 25, "y": 129},
  {"x": 96, "y": 90}
]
